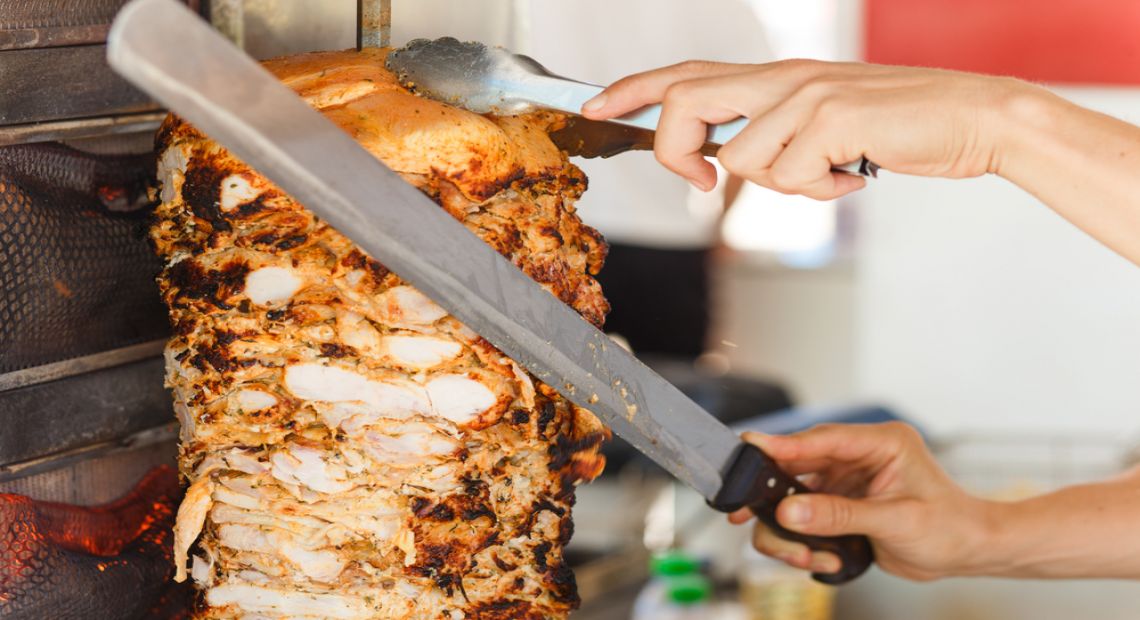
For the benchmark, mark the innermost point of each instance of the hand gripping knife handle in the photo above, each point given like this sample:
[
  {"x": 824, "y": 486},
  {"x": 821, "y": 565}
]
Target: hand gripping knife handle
[{"x": 756, "y": 481}]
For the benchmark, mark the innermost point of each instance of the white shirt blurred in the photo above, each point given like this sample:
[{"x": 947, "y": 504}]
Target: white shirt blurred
[{"x": 631, "y": 198}]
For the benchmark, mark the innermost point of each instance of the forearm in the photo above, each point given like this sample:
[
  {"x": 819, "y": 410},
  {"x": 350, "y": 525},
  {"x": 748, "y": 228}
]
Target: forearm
[
  {"x": 1083, "y": 164},
  {"x": 1084, "y": 531}
]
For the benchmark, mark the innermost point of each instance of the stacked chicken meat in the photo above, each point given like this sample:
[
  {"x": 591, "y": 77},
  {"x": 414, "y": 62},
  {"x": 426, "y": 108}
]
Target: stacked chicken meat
[{"x": 353, "y": 451}]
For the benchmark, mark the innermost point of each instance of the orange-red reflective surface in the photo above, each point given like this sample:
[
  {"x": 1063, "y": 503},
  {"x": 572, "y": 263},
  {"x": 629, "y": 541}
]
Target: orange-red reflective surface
[
  {"x": 111, "y": 561},
  {"x": 1059, "y": 41}
]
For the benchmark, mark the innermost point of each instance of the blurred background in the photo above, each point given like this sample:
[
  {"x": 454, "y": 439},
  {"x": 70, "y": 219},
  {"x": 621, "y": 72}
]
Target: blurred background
[{"x": 966, "y": 308}]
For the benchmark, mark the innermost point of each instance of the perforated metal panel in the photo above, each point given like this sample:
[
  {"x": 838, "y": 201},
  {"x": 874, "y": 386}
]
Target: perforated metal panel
[
  {"x": 40, "y": 23},
  {"x": 96, "y": 477},
  {"x": 35, "y": 23},
  {"x": 76, "y": 273}
]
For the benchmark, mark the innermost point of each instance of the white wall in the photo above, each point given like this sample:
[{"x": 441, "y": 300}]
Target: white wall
[
  {"x": 788, "y": 325},
  {"x": 980, "y": 309}
]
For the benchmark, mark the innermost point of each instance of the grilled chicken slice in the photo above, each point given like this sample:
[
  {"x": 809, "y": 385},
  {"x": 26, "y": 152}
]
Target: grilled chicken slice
[{"x": 352, "y": 450}]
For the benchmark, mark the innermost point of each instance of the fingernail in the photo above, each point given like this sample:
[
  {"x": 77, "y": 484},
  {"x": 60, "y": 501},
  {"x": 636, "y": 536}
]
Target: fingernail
[
  {"x": 755, "y": 437},
  {"x": 595, "y": 104},
  {"x": 797, "y": 512},
  {"x": 700, "y": 185}
]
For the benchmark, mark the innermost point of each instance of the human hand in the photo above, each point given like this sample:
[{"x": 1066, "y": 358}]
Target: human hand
[
  {"x": 808, "y": 116},
  {"x": 877, "y": 480}
]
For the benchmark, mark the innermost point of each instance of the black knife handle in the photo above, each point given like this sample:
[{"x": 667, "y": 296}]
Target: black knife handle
[{"x": 754, "y": 480}]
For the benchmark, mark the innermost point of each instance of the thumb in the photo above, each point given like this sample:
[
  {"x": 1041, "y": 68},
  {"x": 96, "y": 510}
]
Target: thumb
[
  {"x": 779, "y": 447},
  {"x": 833, "y": 515}
]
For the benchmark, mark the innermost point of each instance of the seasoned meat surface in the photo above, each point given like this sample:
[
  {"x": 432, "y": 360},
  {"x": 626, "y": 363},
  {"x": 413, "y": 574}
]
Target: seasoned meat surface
[{"x": 353, "y": 451}]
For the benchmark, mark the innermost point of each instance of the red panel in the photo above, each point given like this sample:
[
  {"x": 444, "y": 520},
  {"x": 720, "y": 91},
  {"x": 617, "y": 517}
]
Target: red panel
[{"x": 1067, "y": 41}]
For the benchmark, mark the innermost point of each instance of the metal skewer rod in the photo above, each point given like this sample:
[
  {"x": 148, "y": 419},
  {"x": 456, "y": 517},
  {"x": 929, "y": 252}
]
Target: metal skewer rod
[{"x": 373, "y": 23}]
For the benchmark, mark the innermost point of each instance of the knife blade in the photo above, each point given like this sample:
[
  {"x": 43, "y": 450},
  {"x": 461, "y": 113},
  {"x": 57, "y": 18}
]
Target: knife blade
[
  {"x": 583, "y": 137},
  {"x": 167, "y": 51},
  {"x": 488, "y": 80}
]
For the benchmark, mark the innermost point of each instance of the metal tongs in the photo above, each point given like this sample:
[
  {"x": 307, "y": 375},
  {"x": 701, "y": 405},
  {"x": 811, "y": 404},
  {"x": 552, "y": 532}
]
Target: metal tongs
[{"x": 492, "y": 80}]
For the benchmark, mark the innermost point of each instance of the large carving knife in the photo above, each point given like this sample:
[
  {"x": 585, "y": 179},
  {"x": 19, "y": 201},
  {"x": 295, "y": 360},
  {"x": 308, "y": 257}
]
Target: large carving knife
[{"x": 167, "y": 51}]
